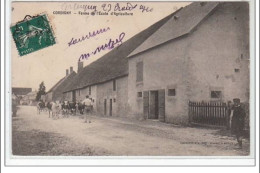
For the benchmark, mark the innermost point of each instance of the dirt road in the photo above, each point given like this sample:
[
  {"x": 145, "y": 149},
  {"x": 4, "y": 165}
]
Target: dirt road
[{"x": 34, "y": 134}]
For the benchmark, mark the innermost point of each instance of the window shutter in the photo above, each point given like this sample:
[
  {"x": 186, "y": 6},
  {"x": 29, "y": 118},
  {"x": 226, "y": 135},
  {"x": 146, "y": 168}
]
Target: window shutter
[
  {"x": 146, "y": 104},
  {"x": 161, "y": 94},
  {"x": 139, "y": 72}
]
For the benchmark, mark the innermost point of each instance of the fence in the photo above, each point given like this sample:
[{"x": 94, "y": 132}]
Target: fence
[{"x": 210, "y": 113}]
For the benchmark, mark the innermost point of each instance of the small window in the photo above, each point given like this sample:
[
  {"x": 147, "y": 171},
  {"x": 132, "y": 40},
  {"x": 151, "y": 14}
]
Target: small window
[
  {"x": 114, "y": 100},
  {"x": 139, "y": 94},
  {"x": 216, "y": 94},
  {"x": 79, "y": 92},
  {"x": 171, "y": 92},
  {"x": 114, "y": 85},
  {"x": 237, "y": 70},
  {"x": 89, "y": 90}
]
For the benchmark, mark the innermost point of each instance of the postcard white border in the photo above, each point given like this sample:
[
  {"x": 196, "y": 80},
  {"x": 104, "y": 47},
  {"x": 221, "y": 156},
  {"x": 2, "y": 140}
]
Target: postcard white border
[{"x": 124, "y": 161}]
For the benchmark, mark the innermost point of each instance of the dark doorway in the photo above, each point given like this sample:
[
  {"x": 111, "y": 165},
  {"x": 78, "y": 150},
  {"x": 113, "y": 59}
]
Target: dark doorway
[
  {"x": 74, "y": 96},
  {"x": 105, "y": 107},
  {"x": 110, "y": 107},
  {"x": 154, "y": 105}
]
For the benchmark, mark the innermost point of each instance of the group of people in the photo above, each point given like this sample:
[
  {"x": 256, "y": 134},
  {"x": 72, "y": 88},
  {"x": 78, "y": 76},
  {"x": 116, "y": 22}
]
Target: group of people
[{"x": 57, "y": 109}]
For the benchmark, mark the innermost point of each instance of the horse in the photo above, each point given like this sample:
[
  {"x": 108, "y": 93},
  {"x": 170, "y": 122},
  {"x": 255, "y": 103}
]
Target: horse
[
  {"x": 72, "y": 107},
  {"x": 49, "y": 108},
  {"x": 40, "y": 107},
  {"x": 65, "y": 108},
  {"x": 56, "y": 110},
  {"x": 81, "y": 107}
]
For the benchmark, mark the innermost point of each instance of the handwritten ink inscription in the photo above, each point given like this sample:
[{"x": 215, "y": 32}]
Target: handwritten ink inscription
[
  {"x": 112, "y": 43},
  {"x": 74, "y": 41},
  {"x": 104, "y": 8}
]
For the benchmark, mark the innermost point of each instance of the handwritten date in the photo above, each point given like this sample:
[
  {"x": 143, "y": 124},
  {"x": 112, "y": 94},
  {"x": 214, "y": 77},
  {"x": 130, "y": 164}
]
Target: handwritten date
[{"x": 125, "y": 7}]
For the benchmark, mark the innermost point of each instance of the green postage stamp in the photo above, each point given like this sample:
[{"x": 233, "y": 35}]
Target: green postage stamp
[{"x": 32, "y": 34}]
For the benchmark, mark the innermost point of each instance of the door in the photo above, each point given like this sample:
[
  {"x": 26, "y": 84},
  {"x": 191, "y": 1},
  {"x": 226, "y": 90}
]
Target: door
[
  {"x": 74, "y": 96},
  {"x": 105, "y": 107},
  {"x": 110, "y": 107},
  {"x": 161, "y": 96},
  {"x": 146, "y": 104},
  {"x": 153, "y": 105}
]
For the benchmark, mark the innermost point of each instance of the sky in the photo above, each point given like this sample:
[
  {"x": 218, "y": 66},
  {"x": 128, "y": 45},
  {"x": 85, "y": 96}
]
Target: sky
[{"x": 49, "y": 64}]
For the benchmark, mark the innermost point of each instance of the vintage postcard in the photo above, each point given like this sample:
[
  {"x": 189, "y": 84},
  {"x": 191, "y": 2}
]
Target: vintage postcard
[{"x": 120, "y": 81}]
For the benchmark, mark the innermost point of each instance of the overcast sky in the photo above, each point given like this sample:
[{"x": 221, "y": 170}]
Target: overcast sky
[{"x": 49, "y": 64}]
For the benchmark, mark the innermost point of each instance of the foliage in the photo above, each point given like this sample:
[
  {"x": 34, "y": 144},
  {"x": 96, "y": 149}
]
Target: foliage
[{"x": 41, "y": 91}]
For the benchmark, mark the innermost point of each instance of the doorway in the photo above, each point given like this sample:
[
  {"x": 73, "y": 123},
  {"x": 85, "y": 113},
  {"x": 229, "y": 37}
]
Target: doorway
[
  {"x": 154, "y": 105},
  {"x": 105, "y": 107},
  {"x": 110, "y": 107},
  {"x": 74, "y": 96}
]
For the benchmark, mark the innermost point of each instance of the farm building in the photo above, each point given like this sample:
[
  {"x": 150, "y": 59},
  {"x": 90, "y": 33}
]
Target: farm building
[
  {"x": 106, "y": 79},
  {"x": 20, "y": 93},
  {"x": 200, "y": 54},
  {"x": 29, "y": 98},
  {"x": 55, "y": 93}
]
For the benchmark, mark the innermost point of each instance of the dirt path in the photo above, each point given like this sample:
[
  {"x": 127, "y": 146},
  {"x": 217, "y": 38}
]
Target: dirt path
[{"x": 39, "y": 135}]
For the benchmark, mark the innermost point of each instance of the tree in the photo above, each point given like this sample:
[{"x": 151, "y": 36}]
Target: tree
[{"x": 41, "y": 91}]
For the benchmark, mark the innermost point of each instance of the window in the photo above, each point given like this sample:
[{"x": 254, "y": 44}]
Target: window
[
  {"x": 139, "y": 94},
  {"x": 114, "y": 85},
  {"x": 216, "y": 94},
  {"x": 237, "y": 70},
  {"x": 171, "y": 92},
  {"x": 114, "y": 100},
  {"x": 79, "y": 92},
  {"x": 139, "y": 72},
  {"x": 89, "y": 90}
]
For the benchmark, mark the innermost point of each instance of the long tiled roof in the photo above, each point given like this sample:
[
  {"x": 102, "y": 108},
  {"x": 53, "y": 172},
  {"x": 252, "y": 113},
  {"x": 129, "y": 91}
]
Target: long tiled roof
[
  {"x": 63, "y": 83},
  {"x": 21, "y": 91},
  {"x": 115, "y": 63},
  {"x": 56, "y": 85},
  {"x": 182, "y": 23}
]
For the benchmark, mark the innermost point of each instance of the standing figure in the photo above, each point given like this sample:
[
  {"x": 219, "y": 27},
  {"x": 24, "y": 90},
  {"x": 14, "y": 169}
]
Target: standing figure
[
  {"x": 88, "y": 106},
  {"x": 228, "y": 117},
  {"x": 238, "y": 115}
]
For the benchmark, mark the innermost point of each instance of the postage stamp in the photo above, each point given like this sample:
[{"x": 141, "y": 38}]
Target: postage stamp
[{"x": 32, "y": 35}]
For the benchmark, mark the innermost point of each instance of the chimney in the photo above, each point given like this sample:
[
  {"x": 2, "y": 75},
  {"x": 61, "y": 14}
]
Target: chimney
[
  {"x": 71, "y": 70},
  {"x": 80, "y": 66},
  {"x": 67, "y": 72}
]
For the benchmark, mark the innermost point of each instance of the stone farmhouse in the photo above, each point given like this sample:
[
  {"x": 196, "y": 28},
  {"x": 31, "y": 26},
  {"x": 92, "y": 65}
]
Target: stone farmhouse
[
  {"x": 106, "y": 79},
  {"x": 198, "y": 53}
]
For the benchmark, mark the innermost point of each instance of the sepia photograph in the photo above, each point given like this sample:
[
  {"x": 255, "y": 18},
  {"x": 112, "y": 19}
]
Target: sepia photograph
[{"x": 139, "y": 79}]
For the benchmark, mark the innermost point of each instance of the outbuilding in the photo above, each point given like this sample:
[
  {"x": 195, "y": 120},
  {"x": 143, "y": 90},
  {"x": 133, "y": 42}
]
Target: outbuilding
[{"x": 200, "y": 54}]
